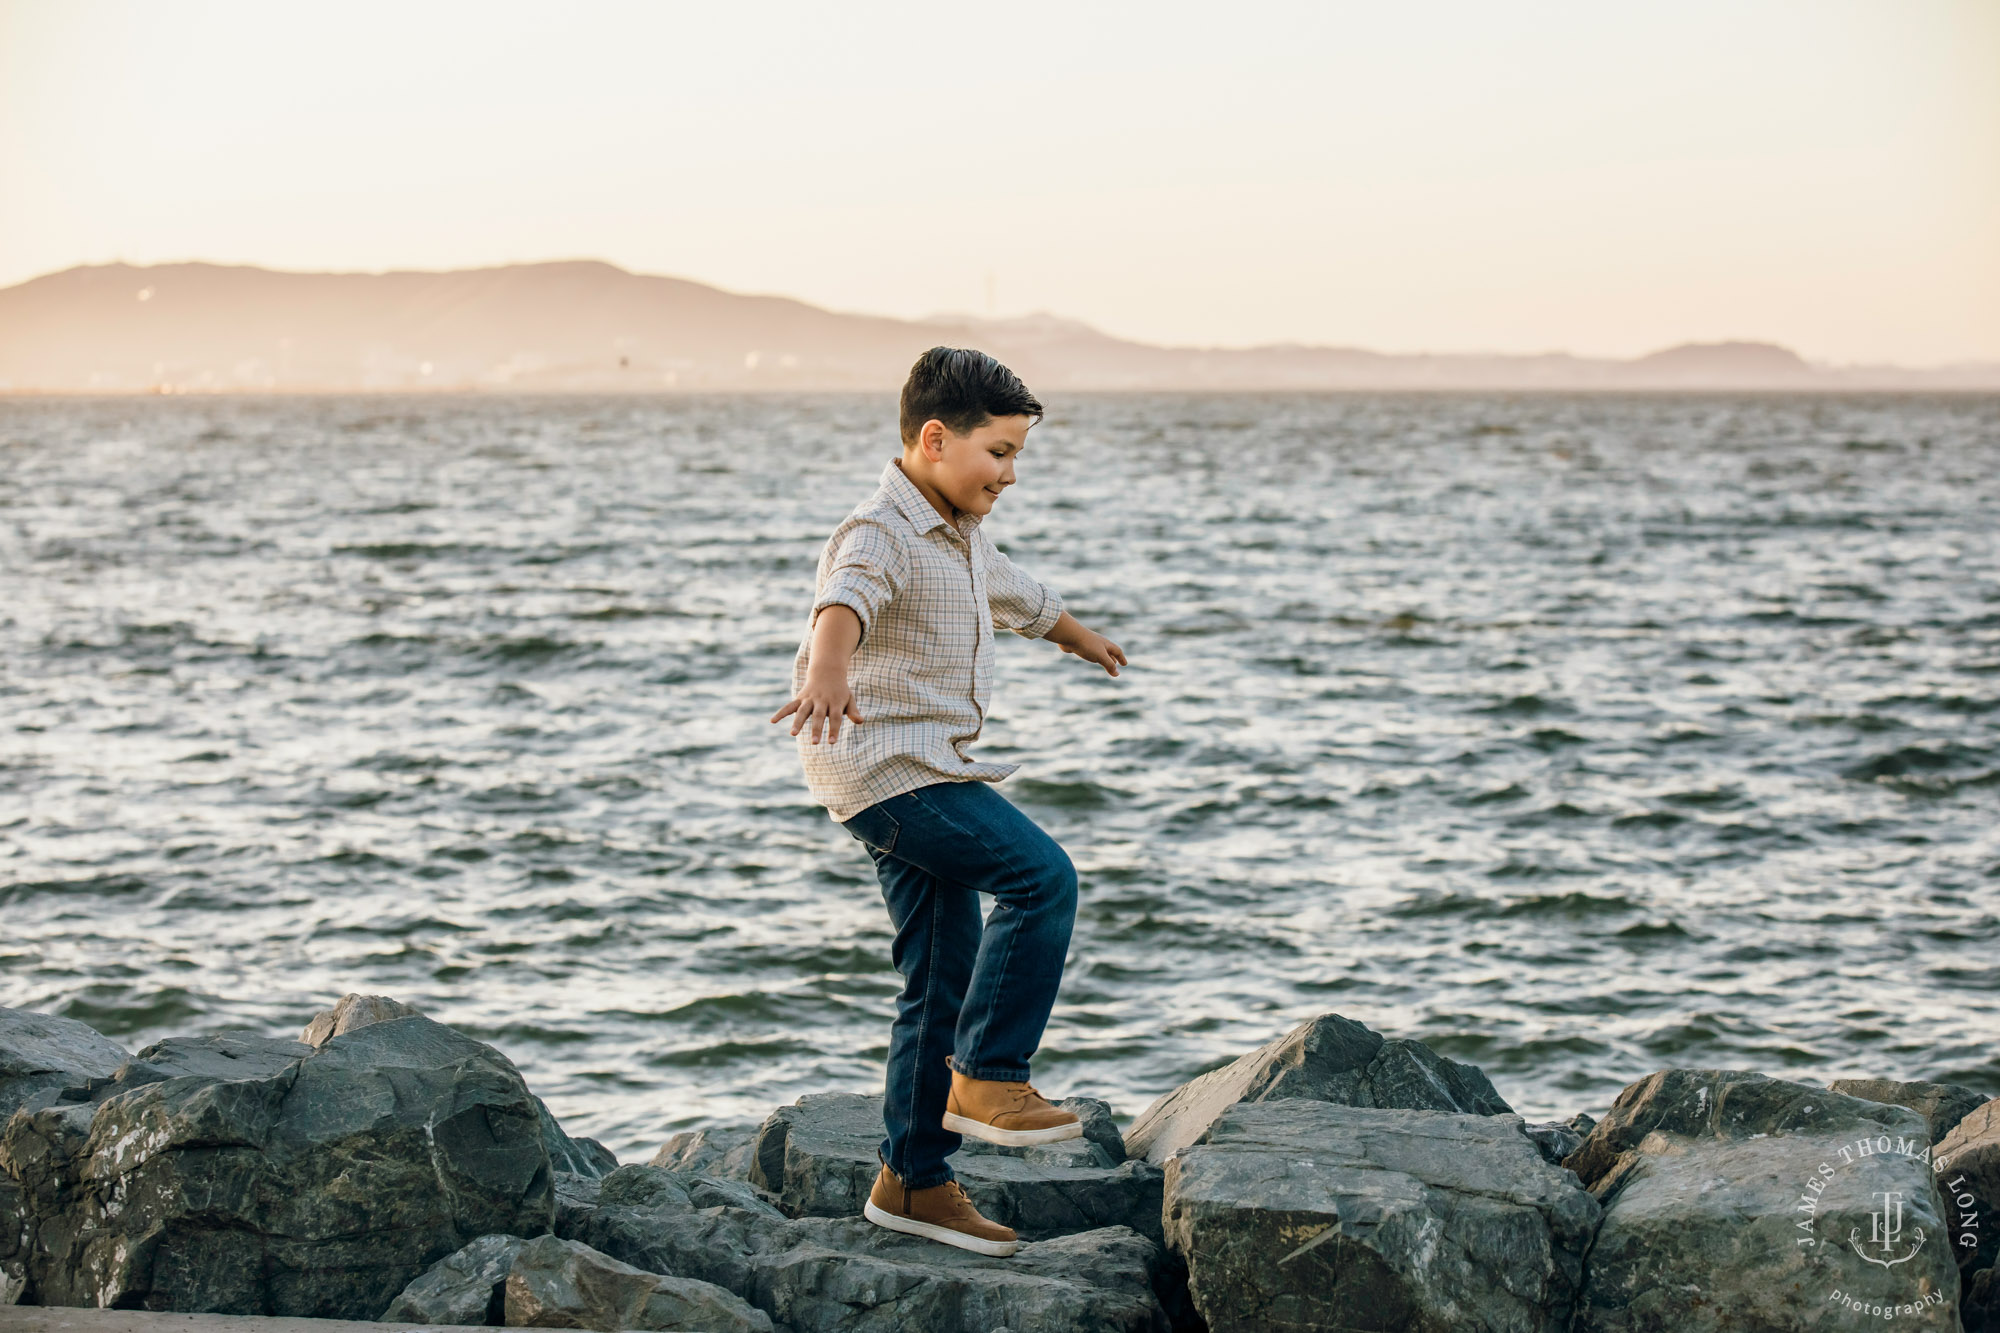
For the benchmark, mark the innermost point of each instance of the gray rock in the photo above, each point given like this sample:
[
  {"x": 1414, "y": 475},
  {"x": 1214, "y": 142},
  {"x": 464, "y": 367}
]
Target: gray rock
[
  {"x": 556, "y": 1283},
  {"x": 1942, "y": 1105},
  {"x": 1968, "y": 1174},
  {"x": 58, "y": 1133},
  {"x": 706, "y": 1192},
  {"x": 819, "y": 1157},
  {"x": 41, "y": 1055},
  {"x": 1555, "y": 1139},
  {"x": 581, "y": 1156},
  {"x": 846, "y": 1275},
  {"x": 710, "y": 1152},
  {"x": 318, "y": 1185},
  {"x": 699, "y": 1172},
  {"x": 69, "y": 1114},
  {"x": 352, "y": 1011},
  {"x": 575, "y": 1195},
  {"x": 1328, "y": 1059},
  {"x": 220, "y": 1056},
  {"x": 1738, "y": 1202},
  {"x": 1100, "y": 1126},
  {"x": 1303, "y": 1214},
  {"x": 467, "y": 1287},
  {"x": 655, "y": 1187},
  {"x": 1718, "y": 1103},
  {"x": 1979, "y": 1310},
  {"x": 577, "y": 1155},
  {"x": 14, "y": 1242}
]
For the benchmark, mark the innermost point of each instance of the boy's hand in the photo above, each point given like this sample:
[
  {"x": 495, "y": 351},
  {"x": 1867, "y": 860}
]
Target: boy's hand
[
  {"x": 1094, "y": 647},
  {"x": 822, "y": 703},
  {"x": 1069, "y": 635},
  {"x": 825, "y": 699}
]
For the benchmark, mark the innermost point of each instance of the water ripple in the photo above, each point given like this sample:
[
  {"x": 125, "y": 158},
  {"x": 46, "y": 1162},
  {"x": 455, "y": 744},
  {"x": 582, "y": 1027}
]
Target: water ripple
[{"x": 1577, "y": 736}]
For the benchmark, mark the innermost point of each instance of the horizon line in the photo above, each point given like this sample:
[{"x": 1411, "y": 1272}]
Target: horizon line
[{"x": 947, "y": 319}]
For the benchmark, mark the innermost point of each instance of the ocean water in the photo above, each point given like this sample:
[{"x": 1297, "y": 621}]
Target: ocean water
[{"x": 1579, "y": 737}]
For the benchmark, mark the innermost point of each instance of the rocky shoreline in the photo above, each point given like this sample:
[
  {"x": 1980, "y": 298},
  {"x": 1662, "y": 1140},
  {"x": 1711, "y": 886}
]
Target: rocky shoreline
[{"x": 387, "y": 1167}]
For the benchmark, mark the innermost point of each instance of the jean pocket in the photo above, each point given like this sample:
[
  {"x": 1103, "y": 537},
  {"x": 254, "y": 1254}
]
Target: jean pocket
[{"x": 875, "y": 828}]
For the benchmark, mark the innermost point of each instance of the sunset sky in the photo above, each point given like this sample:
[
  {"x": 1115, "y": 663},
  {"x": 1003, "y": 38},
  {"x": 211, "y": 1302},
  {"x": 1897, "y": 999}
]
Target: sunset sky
[{"x": 1446, "y": 176}]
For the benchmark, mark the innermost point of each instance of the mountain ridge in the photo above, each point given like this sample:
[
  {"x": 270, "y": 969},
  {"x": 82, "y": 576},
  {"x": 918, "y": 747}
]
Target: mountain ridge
[{"x": 586, "y": 325}]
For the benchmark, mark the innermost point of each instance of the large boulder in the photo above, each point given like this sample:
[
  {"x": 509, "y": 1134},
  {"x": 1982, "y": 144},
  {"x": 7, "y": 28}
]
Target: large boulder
[
  {"x": 55, "y": 1127},
  {"x": 44, "y": 1059},
  {"x": 819, "y": 1158},
  {"x": 1942, "y": 1105},
  {"x": 558, "y": 1283},
  {"x": 41, "y": 1055},
  {"x": 580, "y": 1156},
  {"x": 1968, "y": 1174},
  {"x": 1327, "y": 1059},
  {"x": 1297, "y": 1214},
  {"x": 847, "y": 1275},
  {"x": 1736, "y": 1202},
  {"x": 238, "y": 1174},
  {"x": 468, "y": 1286}
]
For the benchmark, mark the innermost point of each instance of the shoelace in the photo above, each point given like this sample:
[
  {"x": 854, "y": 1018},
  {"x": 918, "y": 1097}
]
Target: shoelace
[{"x": 951, "y": 1188}]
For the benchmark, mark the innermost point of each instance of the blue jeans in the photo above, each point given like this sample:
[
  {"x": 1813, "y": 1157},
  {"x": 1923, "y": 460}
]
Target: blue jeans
[{"x": 973, "y": 1000}]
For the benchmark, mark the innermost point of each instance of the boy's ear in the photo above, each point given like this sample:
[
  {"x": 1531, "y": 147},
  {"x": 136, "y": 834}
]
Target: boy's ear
[{"x": 931, "y": 440}]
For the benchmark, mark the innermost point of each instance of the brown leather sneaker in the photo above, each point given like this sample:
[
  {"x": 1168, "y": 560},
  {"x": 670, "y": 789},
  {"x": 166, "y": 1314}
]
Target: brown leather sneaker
[
  {"x": 1013, "y": 1114},
  {"x": 936, "y": 1212}
]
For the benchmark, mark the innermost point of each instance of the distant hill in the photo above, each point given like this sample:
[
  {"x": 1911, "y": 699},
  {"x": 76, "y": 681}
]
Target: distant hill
[
  {"x": 1725, "y": 363},
  {"x": 583, "y": 325}
]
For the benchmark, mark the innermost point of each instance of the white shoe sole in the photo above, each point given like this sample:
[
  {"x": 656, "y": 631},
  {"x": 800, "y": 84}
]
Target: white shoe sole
[
  {"x": 1012, "y": 1138},
  {"x": 999, "y": 1249}
]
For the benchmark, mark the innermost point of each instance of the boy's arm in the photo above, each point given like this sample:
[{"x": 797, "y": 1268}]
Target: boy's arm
[
  {"x": 1034, "y": 610},
  {"x": 1017, "y": 601},
  {"x": 825, "y": 698},
  {"x": 1071, "y": 636},
  {"x": 866, "y": 569}
]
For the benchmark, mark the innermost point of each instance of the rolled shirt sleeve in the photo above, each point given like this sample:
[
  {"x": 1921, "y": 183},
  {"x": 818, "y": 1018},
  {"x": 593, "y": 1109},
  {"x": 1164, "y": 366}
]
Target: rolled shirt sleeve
[
  {"x": 868, "y": 566},
  {"x": 1020, "y": 603}
]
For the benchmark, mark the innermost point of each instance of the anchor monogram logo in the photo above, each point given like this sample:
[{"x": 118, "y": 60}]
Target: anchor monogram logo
[{"x": 1885, "y": 1228}]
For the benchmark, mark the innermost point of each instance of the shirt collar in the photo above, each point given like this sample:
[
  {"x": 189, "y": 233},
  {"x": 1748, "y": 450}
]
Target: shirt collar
[{"x": 923, "y": 515}]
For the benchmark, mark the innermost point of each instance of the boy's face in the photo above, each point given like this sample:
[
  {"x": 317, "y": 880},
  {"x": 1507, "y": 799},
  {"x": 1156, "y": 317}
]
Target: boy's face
[{"x": 971, "y": 470}]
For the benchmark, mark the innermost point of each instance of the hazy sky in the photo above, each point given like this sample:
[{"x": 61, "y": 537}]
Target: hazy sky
[{"x": 1602, "y": 177}]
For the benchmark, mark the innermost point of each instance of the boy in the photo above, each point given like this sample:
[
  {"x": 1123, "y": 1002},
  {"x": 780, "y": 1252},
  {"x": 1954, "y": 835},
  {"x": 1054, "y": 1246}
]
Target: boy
[{"x": 900, "y": 644}]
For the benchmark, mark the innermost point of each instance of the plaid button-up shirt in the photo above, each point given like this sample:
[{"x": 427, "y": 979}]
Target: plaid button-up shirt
[{"x": 929, "y": 595}]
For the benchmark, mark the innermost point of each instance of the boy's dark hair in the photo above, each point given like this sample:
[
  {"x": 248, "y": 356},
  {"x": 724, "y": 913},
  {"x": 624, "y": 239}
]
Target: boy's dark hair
[{"x": 964, "y": 389}]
